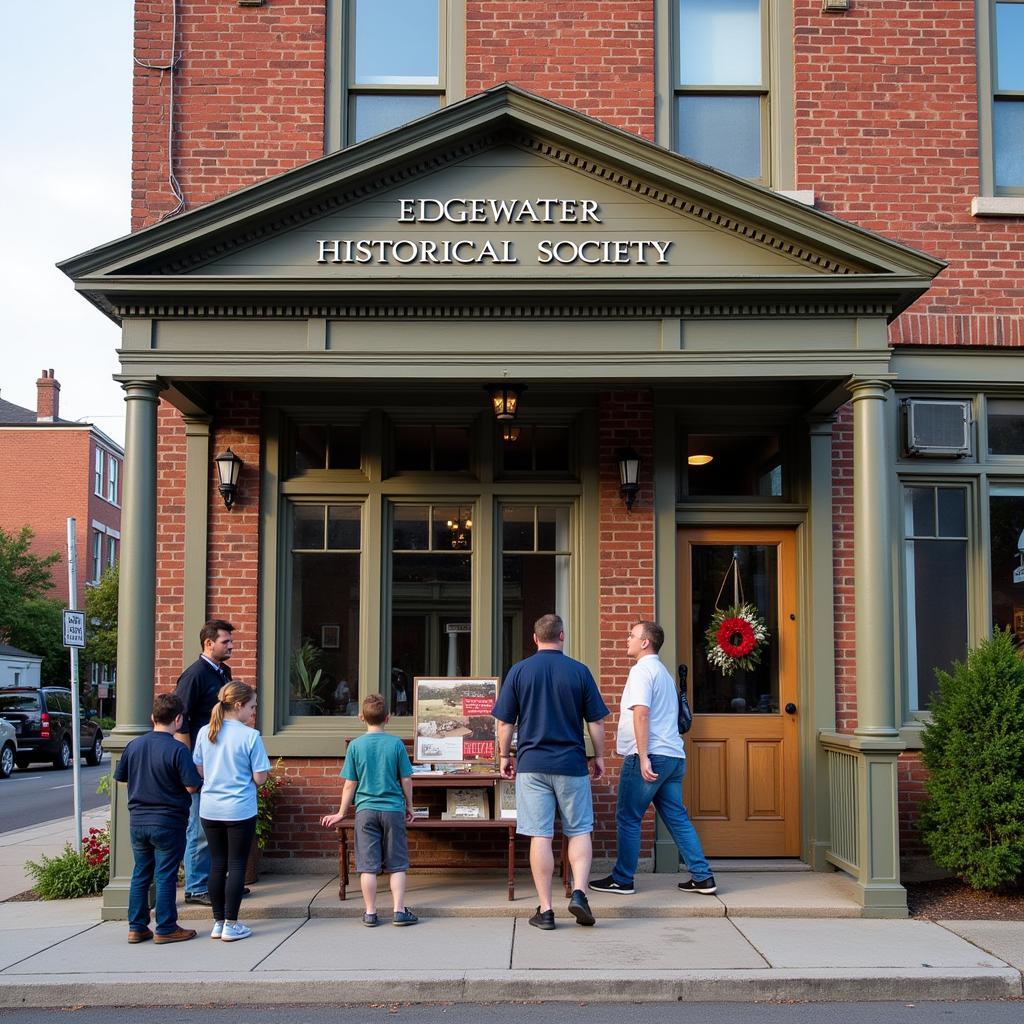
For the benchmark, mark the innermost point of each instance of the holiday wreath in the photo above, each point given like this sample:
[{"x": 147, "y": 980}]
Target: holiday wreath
[{"x": 736, "y": 638}]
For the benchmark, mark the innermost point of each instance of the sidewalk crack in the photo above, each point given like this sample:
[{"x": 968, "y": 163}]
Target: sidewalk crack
[
  {"x": 751, "y": 944},
  {"x": 284, "y": 939}
]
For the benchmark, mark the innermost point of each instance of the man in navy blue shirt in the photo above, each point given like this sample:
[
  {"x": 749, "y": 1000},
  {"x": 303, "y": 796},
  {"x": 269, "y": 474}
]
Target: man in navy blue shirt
[
  {"x": 198, "y": 687},
  {"x": 548, "y": 696},
  {"x": 160, "y": 777}
]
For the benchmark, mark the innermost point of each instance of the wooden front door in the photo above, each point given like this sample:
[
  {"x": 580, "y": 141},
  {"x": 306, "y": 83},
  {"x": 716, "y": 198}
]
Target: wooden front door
[{"x": 742, "y": 789}]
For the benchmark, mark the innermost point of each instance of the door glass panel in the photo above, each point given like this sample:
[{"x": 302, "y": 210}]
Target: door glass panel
[{"x": 744, "y": 692}]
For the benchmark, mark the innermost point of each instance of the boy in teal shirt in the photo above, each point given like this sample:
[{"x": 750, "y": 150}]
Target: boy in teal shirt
[{"x": 378, "y": 778}]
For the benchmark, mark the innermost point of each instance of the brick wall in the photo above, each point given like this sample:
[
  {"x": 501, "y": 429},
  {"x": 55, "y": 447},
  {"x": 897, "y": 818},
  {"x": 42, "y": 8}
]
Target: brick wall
[
  {"x": 596, "y": 56},
  {"x": 842, "y": 569},
  {"x": 911, "y": 775},
  {"x": 249, "y": 98},
  {"x": 46, "y": 477},
  {"x": 173, "y": 650},
  {"x": 887, "y": 136},
  {"x": 626, "y": 589}
]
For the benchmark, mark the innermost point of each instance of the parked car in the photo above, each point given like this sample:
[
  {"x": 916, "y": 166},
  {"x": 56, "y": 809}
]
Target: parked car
[
  {"x": 42, "y": 722},
  {"x": 8, "y": 748}
]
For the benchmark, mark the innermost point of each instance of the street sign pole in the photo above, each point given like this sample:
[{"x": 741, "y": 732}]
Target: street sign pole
[{"x": 76, "y": 711}]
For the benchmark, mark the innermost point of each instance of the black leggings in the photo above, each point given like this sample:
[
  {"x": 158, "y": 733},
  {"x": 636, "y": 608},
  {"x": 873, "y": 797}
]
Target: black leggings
[{"x": 229, "y": 842}]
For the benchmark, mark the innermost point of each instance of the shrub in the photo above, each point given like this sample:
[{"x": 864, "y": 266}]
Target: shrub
[
  {"x": 266, "y": 802},
  {"x": 972, "y": 820},
  {"x": 74, "y": 874}
]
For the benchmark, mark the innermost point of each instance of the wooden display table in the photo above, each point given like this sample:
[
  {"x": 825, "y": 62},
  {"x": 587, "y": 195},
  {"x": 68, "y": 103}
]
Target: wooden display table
[{"x": 448, "y": 781}]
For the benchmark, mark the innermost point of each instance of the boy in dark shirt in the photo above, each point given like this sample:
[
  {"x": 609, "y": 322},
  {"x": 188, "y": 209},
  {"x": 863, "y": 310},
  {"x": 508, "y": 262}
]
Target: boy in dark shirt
[{"x": 161, "y": 778}]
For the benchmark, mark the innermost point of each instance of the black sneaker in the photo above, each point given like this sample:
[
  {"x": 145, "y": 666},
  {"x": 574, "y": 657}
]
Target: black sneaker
[
  {"x": 610, "y": 885},
  {"x": 580, "y": 908},
  {"x": 202, "y": 898},
  {"x": 705, "y": 887},
  {"x": 544, "y": 920}
]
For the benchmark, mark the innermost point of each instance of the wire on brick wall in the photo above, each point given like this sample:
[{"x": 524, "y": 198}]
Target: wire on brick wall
[{"x": 170, "y": 67}]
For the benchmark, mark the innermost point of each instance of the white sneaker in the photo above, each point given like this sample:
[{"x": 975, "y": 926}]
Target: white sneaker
[
  {"x": 234, "y": 932},
  {"x": 218, "y": 930}
]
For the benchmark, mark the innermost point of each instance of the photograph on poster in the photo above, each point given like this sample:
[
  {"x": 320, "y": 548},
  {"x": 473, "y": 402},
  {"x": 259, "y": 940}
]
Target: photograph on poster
[
  {"x": 452, "y": 720},
  {"x": 506, "y": 799}
]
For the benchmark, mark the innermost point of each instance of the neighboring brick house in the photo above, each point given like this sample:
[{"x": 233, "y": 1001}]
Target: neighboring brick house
[
  {"x": 767, "y": 320},
  {"x": 52, "y": 468}
]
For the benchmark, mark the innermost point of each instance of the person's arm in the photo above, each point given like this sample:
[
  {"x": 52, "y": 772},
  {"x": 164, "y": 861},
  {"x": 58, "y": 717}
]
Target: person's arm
[
  {"x": 407, "y": 790},
  {"x": 642, "y": 731},
  {"x": 506, "y": 765},
  {"x": 260, "y": 777},
  {"x": 184, "y": 691},
  {"x": 596, "y": 730},
  {"x": 348, "y": 792}
]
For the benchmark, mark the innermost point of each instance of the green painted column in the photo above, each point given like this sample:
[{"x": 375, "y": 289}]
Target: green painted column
[
  {"x": 136, "y": 642},
  {"x": 876, "y": 744},
  {"x": 873, "y": 563}
]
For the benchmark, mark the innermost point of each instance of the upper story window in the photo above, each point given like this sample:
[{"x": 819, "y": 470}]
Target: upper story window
[
  {"x": 723, "y": 75},
  {"x": 113, "y": 472},
  {"x": 1001, "y": 80},
  {"x": 388, "y": 64},
  {"x": 97, "y": 479}
]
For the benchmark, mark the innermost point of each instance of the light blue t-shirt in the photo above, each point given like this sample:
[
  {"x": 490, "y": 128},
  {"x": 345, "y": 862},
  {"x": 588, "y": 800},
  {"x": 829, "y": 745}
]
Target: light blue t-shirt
[
  {"x": 229, "y": 793},
  {"x": 377, "y": 763}
]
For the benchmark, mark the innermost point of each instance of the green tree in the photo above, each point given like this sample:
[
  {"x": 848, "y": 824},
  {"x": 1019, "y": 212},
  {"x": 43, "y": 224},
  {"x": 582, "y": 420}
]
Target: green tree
[
  {"x": 29, "y": 619},
  {"x": 101, "y": 621},
  {"x": 973, "y": 818}
]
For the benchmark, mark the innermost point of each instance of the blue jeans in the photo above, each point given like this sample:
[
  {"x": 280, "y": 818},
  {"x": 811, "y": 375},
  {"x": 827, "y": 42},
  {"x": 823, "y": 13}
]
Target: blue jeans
[
  {"x": 666, "y": 793},
  {"x": 157, "y": 850},
  {"x": 197, "y": 854}
]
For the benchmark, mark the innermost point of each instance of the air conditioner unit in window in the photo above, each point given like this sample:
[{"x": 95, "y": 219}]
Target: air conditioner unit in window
[{"x": 939, "y": 427}]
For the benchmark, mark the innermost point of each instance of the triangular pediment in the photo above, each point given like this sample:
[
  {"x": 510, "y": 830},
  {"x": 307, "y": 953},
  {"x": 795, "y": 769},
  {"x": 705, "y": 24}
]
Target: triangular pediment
[{"x": 503, "y": 193}]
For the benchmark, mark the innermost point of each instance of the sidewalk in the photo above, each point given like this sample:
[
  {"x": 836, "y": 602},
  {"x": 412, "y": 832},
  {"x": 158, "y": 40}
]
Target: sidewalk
[{"x": 768, "y": 935}]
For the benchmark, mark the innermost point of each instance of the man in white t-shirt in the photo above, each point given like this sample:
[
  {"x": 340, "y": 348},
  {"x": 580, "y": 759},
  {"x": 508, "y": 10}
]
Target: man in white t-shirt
[{"x": 653, "y": 766}]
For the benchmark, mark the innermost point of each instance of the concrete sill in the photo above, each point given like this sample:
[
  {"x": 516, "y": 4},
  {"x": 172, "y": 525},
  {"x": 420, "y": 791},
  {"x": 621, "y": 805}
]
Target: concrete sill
[{"x": 997, "y": 206}]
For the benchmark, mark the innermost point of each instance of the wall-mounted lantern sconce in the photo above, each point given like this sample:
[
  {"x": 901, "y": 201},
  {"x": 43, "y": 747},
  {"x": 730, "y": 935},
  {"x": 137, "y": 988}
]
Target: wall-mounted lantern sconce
[
  {"x": 229, "y": 465},
  {"x": 629, "y": 476},
  {"x": 505, "y": 399}
]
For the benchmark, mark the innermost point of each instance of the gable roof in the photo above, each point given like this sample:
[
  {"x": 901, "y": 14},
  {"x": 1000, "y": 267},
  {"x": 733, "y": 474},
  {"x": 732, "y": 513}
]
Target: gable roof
[
  {"x": 170, "y": 262},
  {"x": 11, "y": 413}
]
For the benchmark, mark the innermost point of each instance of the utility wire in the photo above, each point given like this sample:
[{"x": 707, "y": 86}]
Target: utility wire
[{"x": 170, "y": 67}]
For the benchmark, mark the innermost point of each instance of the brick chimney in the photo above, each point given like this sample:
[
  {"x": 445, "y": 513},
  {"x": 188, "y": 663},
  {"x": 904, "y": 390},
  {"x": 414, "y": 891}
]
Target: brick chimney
[{"x": 47, "y": 398}]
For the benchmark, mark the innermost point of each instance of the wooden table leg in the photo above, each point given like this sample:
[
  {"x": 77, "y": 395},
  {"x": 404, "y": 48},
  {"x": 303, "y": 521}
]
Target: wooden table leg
[{"x": 511, "y": 862}]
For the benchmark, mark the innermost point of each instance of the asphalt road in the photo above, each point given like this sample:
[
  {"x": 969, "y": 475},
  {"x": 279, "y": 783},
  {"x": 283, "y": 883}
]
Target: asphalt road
[
  {"x": 545, "y": 1013},
  {"x": 42, "y": 793}
]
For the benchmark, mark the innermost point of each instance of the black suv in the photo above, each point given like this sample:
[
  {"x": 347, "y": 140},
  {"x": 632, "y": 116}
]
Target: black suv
[{"x": 42, "y": 719}]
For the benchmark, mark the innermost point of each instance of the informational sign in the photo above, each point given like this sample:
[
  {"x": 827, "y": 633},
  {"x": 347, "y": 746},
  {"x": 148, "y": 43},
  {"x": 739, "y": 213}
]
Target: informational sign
[
  {"x": 458, "y": 627},
  {"x": 453, "y": 721},
  {"x": 496, "y": 214},
  {"x": 74, "y": 628}
]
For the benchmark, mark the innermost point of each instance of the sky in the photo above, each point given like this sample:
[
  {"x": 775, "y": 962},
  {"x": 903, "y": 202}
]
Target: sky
[{"x": 65, "y": 162}]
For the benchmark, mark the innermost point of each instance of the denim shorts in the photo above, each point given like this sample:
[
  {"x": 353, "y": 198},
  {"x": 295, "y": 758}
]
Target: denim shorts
[
  {"x": 381, "y": 843},
  {"x": 537, "y": 794}
]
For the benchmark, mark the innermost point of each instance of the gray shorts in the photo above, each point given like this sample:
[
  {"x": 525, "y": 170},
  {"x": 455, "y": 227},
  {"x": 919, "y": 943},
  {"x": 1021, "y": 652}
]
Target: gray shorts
[{"x": 381, "y": 844}]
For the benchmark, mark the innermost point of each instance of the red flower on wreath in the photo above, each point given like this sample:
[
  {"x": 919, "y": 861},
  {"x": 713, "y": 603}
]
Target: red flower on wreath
[{"x": 736, "y": 637}]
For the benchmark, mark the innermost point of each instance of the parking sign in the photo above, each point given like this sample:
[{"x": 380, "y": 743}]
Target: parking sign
[{"x": 74, "y": 628}]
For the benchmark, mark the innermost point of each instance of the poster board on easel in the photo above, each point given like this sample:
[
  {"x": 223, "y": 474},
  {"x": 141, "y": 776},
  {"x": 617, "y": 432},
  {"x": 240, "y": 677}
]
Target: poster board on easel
[{"x": 452, "y": 720}]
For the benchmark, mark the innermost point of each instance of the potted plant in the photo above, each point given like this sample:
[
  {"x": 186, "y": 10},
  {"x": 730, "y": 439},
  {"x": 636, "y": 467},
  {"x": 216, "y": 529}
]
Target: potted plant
[
  {"x": 266, "y": 803},
  {"x": 307, "y": 681}
]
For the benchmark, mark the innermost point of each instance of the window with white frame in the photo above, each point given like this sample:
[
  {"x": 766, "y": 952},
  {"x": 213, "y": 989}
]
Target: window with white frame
[
  {"x": 98, "y": 477},
  {"x": 389, "y": 63},
  {"x": 97, "y": 555},
  {"x": 111, "y": 551},
  {"x": 113, "y": 475},
  {"x": 935, "y": 531}
]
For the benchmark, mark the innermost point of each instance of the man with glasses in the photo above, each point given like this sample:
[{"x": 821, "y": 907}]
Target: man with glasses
[{"x": 653, "y": 766}]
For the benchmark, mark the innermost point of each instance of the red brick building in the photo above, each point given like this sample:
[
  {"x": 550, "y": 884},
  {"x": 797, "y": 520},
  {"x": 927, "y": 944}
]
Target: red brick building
[
  {"x": 53, "y": 468},
  {"x": 768, "y": 245}
]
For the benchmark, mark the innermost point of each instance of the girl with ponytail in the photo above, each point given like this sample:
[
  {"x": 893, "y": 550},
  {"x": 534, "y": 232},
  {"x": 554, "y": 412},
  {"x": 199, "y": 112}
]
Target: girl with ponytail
[{"x": 232, "y": 760}]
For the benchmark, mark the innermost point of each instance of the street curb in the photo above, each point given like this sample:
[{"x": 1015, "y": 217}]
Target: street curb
[{"x": 341, "y": 987}]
